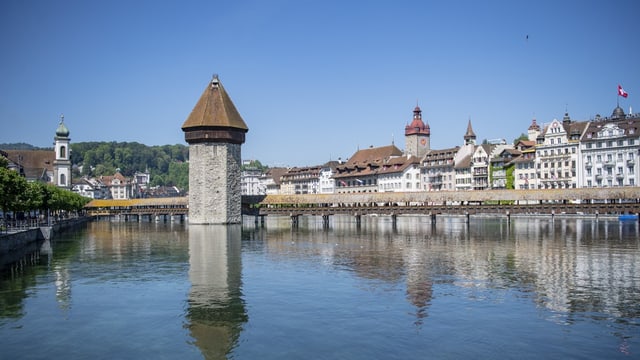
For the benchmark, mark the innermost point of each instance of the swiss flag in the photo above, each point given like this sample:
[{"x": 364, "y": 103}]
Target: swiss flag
[{"x": 621, "y": 92}]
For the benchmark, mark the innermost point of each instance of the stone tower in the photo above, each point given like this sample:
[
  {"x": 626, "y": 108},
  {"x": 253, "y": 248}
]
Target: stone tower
[
  {"x": 533, "y": 131},
  {"x": 215, "y": 132},
  {"x": 62, "y": 162},
  {"x": 417, "y": 135}
]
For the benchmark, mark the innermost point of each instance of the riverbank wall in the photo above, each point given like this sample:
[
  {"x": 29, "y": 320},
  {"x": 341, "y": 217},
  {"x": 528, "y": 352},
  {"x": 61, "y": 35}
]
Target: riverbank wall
[{"x": 18, "y": 245}]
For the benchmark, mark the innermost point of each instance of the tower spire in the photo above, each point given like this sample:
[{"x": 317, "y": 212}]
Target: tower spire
[{"x": 469, "y": 136}]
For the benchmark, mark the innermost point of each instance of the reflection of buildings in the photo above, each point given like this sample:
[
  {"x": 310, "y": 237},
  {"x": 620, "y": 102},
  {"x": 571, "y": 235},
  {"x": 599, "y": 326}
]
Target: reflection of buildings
[
  {"x": 216, "y": 311},
  {"x": 567, "y": 265}
]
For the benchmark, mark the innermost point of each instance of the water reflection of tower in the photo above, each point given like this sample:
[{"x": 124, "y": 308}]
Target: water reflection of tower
[
  {"x": 215, "y": 312},
  {"x": 419, "y": 282}
]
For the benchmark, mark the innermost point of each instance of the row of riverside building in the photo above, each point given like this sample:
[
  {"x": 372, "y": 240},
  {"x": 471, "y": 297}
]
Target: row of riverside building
[{"x": 563, "y": 154}]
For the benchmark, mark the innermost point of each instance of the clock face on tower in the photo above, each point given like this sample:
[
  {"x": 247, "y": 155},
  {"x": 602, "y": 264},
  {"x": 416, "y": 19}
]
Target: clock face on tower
[{"x": 423, "y": 142}]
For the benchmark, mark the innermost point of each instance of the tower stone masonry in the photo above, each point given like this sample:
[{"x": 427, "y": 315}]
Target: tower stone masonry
[{"x": 215, "y": 132}]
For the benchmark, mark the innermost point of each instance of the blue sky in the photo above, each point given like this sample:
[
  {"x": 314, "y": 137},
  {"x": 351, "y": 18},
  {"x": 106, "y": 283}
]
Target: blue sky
[{"x": 313, "y": 80}]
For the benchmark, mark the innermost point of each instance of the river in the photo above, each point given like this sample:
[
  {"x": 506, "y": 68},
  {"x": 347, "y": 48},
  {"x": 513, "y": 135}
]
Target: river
[{"x": 526, "y": 289}]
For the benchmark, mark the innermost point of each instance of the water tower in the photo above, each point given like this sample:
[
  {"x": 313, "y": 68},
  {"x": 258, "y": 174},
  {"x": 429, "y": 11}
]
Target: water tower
[{"x": 215, "y": 132}]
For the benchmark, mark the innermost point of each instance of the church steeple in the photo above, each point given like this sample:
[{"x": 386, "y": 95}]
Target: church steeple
[
  {"x": 469, "y": 136},
  {"x": 62, "y": 162}
]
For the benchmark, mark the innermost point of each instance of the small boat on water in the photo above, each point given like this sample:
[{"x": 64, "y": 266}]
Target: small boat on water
[{"x": 626, "y": 217}]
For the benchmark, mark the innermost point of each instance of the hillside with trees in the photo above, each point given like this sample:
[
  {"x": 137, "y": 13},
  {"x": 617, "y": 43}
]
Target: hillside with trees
[{"x": 167, "y": 164}]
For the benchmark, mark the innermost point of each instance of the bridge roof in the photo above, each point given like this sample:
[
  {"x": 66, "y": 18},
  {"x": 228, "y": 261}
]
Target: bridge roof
[
  {"x": 442, "y": 196},
  {"x": 167, "y": 201}
]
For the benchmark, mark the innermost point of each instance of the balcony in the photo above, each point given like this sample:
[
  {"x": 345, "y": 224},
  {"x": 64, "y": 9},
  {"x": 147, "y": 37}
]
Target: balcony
[
  {"x": 631, "y": 162},
  {"x": 588, "y": 165}
]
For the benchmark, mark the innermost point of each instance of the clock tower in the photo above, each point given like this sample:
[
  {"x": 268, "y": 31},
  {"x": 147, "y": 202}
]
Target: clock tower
[{"x": 417, "y": 135}]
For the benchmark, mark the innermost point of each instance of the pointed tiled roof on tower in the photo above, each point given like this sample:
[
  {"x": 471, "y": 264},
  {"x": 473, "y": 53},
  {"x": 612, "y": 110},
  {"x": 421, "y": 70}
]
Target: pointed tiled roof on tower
[
  {"x": 469, "y": 134},
  {"x": 214, "y": 108}
]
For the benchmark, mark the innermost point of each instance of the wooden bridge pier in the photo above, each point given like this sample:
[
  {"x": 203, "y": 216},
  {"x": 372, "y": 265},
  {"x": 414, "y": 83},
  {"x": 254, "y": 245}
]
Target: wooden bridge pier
[
  {"x": 259, "y": 218},
  {"x": 325, "y": 221},
  {"x": 295, "y": 218}
]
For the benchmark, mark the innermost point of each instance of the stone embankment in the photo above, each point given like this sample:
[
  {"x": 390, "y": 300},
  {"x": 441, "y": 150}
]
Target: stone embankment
[{"x": 17, "y": 245}]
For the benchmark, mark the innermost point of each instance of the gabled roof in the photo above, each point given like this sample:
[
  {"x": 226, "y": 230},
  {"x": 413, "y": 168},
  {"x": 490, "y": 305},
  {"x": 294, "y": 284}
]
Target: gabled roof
[
  {"x": 571, "y": 128},
  {"x": 35, "y": 163},
  {"x": 276, "y": 174},
  {"x": 465, "y": 162},
  {"x": 630, "y": 128},
  {"x": 398, "y": 164},
  {"x": 108, "y": 180},
  {"x": 373, "y": 155},
  {"x": 525, "y": 144},
  {"x": 367, "y": 161},
  {"x": 32, "y": 159},
  {"x": 214, "y": 109}
]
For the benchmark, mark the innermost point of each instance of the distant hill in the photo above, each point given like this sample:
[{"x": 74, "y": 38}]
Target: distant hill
[{"x": 21, "y": 146}]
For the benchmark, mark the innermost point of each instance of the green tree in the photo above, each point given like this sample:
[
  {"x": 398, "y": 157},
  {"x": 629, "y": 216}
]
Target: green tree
[
  {"x": 104, "y": 169},
  {"x": 31, "y": 198},
  {"x": 11, "y": 186},
  {"x": 157, "y": 180},
  {"x": 178, "y": 175},
  {"x": 522, "y": 136}
]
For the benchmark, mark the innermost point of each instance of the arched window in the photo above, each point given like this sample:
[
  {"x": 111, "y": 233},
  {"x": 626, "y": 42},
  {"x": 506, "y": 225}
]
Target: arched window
[
  {"x": 63, "y": 180},
  {"x": 63, "y": 152}
]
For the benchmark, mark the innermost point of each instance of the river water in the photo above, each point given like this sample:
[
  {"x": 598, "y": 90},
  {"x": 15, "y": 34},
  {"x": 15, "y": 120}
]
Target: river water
[{"x": 532, "y": 288}]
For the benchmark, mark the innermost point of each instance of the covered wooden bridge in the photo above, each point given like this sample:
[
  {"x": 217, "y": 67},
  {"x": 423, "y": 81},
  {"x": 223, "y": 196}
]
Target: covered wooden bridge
[{"x": 594, "y": 201}]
